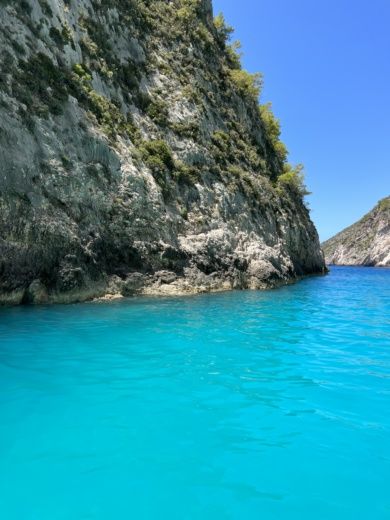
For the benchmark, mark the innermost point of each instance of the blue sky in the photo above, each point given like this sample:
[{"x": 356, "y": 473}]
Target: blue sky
[{"x": 326, "y": 69}]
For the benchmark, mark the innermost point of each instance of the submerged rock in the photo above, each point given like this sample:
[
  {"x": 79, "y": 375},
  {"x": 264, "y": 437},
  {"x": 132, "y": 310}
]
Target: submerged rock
[{"x": 134, "y": 158}]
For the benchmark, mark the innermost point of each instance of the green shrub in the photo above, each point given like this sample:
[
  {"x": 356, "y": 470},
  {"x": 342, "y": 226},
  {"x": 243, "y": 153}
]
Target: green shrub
[
  {"x": 384, "y": 204},
  {"x": 193, "y": 95},
  {"x": 62, "y": 37},
  {"x": 224, "y": 31},
  {"x": 108, "y": 114},
  {"x": 234, "y": 55},
  {"x": 293, "y": 179},
  {"x": 187, "y": 14},
  {"x": 97, "y": 41},
  {"x": 157, "y": 155},
  {"x": 188, "y": 129},
  {"x": 129, "y": 76},
  {"x": 204, "y": 36},
  {"x": 82, "y": 72},
  {"x": 158, "y": 112},
  {"x": 272, "y": 130},
  {"x": 56, "y": 36},
  {"x": 184, "y": 213},
  {"x": 271, "y": 123},
  {"x": 67, "y": 33},
  {"x": 186, "y": 174},
  {"x": 281, "y": 150},
  {"x": 89, "y": 47},
  {"x": 248, "y": 84},
  {"x": 40, "y": 85},
  {"x": 141, "y": 99},
  {"x": 66, "y": 162},
  {"x": 221, "y": 149},
  {"x": 241, "y": 180},
  {"x": 221, "y": 140}
]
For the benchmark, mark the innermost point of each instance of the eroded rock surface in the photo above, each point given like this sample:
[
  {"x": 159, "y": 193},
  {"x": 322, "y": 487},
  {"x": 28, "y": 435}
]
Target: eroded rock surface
[
  {"x": 131, "y": 160},
  {"x": 367, "y": 242}
]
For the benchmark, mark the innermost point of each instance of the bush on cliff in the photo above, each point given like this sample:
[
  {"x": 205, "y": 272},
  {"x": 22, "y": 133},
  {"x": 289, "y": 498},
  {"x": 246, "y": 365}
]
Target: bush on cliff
[
  {"x": 293, "y": 180},
  {"x": 272, "y": 129},
  {"x": 249, "y": 84}
]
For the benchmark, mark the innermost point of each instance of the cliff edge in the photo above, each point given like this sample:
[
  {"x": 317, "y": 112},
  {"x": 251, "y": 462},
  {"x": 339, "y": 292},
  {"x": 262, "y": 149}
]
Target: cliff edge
[
  {"x": 367, "y": 242},
  {"x": 134, "y": 157}
]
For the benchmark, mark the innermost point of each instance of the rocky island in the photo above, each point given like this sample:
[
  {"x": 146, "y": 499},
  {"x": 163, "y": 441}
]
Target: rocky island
[
  {"x": 135, "y": 157},
  {"x": 367, "y": 242}
]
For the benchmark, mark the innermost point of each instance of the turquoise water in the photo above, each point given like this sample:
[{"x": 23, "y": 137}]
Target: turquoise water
[{"x": 242, "y": 405}]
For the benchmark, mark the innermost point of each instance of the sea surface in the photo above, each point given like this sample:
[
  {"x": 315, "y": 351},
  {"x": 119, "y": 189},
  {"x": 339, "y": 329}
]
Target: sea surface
[{"x": 239, "y": 405}]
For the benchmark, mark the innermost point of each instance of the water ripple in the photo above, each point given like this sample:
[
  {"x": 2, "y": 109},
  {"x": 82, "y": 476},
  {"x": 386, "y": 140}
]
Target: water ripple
[{"x": 216, "y": 406}]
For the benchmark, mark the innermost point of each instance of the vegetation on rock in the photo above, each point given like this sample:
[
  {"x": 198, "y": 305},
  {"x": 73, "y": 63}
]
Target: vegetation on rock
[{"x": 133, "y": 140}]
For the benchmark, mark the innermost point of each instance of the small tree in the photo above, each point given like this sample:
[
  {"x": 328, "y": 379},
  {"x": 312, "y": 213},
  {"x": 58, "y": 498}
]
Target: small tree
[
  {"x": 272, "y": 130},
  {"x": 293, "y": 179},
  {"x": 224, "y": 31},
  {"x": 187, "y": 14},
  {"x": 234, "y": 55},
  {"x": 249, "y": 84}
]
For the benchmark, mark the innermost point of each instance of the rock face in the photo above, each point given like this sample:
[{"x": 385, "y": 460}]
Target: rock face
[
  {"x": 366, "y": 242},
  {"x": 134, "y": 158}
]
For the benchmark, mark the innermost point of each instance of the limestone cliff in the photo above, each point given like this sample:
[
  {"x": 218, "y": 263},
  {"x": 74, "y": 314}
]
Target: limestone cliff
[
  {"x": 134, "y": 157},
  {"x": 367, "y": 242}
]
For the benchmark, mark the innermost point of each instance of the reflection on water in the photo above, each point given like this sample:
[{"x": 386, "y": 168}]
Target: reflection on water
[{"x": 237, "y": 405}]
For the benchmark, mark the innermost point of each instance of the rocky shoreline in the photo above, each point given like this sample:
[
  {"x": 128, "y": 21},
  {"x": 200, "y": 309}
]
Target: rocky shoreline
[
  {"x": 365, "y": 243},
  {"x": 164, "y": 283}
]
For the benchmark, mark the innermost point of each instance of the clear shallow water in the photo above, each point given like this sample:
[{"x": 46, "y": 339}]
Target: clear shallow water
[{"x": 271, "y": 405}]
